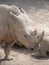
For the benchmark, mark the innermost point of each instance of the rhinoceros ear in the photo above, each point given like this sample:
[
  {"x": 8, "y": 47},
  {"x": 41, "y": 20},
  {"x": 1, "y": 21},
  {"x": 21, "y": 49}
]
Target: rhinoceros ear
[
  {"x": 34, "y": 33},
  {"x": 14, "y": 15},
  {"x": 22, "y": 10}
]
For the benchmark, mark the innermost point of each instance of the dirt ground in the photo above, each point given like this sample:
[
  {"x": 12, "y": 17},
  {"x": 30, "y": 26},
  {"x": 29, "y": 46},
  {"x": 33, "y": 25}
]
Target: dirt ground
[{"x": 38, "y": 11}]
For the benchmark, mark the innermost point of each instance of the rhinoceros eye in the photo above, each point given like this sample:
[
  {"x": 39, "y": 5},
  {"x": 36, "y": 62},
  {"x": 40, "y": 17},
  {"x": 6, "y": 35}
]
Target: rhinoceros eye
[
  {"x": 25, "y": 35},
  {"x": 37, "y": 36}
]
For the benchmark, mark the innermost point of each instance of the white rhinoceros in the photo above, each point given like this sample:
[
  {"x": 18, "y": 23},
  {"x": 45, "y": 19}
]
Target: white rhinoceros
[
  {"x": 41, "y": 45},
  {"x": 14, "y": 25}
]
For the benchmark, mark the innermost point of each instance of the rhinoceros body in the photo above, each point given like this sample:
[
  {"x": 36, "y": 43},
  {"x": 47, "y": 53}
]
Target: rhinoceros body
[{"x": 14, "y": 25}]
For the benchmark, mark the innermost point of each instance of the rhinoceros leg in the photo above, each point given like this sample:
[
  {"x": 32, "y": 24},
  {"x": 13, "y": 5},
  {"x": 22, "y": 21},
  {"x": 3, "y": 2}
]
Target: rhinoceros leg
[{"x": 7, "y": 50}]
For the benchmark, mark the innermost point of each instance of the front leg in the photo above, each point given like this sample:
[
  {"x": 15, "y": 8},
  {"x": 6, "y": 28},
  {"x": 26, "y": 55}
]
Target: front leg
[{"x": 7, "y": 50}]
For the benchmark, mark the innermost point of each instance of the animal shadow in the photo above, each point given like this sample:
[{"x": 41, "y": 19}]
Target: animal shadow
[{"x": 41, "y": 58}]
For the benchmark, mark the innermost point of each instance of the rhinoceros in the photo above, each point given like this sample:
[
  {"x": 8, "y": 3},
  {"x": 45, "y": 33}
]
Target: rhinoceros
[
  {"x": 14, "y": 25},
  {"x": 41, "y": 45}
]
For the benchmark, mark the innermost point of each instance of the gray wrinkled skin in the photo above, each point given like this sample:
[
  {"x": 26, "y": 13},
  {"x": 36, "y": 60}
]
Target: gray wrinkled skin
[
  {"x": 43, "y": 46},
  {"x": 14, "y": 25}
]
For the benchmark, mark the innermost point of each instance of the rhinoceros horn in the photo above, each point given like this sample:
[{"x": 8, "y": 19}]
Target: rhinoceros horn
[
  {"x": 40, "y": 38},
  {"x": 42, "y": 35}
]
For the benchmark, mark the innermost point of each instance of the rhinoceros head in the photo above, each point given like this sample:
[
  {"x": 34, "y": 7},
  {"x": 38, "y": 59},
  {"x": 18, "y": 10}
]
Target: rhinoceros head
[
  {"x": 24, "y": 32},
  {"x": 38, "y": 41}
]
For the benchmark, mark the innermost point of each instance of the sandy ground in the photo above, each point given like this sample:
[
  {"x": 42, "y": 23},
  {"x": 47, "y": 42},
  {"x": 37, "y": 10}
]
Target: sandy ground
[{"x": 38, "y": 11}]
